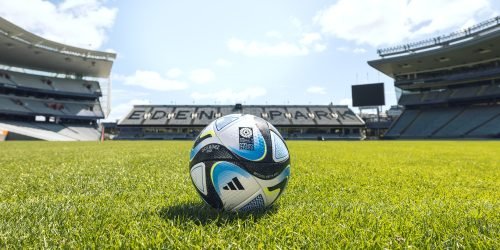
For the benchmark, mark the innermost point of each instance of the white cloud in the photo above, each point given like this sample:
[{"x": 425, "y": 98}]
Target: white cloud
[
  {"x": 174, "y": 73},
  {"x": 319, "y": 47},
  {"x": 274, "y": 34},
  {"x": 343, "y": 49},
  {"x": 221, "y": 62},
  {"x": 302, "y": 43},
  {"x": 202, "y": 76},
  {"x": 316, "y": 90},
  {"x": 310, "y": 38},
  {"x": 296, "y": 23},
  {"x": 313, "y": 40},
  {"x": 230, "y": 96},
  {"x": 151, "y": 80},
  {"x": 388, "y": 22},
  {"x": 350, "y": 50},
  {"x": 346, "y": 101},
  {"x": 82, "y": 23},
  {"x": 119, "y": 111},
  {"x": 120, "y": 95},
  {"x": 256, "y": 48},
  {"x": 359, "y": 51}
]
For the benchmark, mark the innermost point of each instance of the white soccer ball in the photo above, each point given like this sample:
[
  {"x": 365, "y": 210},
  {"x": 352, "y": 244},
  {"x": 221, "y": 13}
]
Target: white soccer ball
[{"x": 239, "y": 163}]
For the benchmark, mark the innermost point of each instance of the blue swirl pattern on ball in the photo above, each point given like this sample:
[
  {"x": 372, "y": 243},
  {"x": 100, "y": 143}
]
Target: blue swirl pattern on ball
[{"x": 259, "y": 151}]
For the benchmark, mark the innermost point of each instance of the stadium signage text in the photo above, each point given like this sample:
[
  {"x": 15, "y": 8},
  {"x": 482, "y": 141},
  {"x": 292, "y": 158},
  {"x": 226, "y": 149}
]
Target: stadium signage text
[{"x": 186, "y": 114}]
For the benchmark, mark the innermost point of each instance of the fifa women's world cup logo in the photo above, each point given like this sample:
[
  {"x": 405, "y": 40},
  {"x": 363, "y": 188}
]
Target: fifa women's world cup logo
[{"x": 246, "y": 138}]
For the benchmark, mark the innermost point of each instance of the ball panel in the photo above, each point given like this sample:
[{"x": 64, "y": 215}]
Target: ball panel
[
  {"x": 280, "y": 152},
  {"x": 256, "y": 202},
  {"x": 273, "y": 188},
  {"x": 272, "y": 128},
  {"x": 205, "y": 141},
  {"x": 233, "y": 184},
  {"x": 244, "y": 139},
  {"x": 265, "y": 171},
  {"x": 211, "y": 197},
  {"x": 198, "y": 177},
  {"x": 206, "y": 133},
  {"x": 213, "y": 152},
  {"x": 225, "y": 120}
]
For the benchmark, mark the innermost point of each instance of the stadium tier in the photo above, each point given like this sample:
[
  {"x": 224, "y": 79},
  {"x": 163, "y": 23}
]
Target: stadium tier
[
  {"x": 324, "y": 122},
  {"x": 449, "y": 85},
  {"x": 49, "y": 91}
]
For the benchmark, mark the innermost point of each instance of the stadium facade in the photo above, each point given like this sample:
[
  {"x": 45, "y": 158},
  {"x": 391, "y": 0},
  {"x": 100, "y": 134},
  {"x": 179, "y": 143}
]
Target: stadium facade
[
  {"x": 323, "y": 122},
  {"x": 449, "y": 85},
  {"x": 48, "y": 90}
]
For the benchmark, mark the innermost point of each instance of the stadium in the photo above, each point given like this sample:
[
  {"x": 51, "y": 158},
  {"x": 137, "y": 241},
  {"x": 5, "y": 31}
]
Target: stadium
[
  {"x": 423, "y": 174},
  {"x": 50, "y": 91},
  {"x": 449, "y": 85}
]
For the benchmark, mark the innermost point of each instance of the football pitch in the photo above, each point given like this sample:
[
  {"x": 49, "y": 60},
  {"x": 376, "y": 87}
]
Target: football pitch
[{"x": 381, "y": 194}]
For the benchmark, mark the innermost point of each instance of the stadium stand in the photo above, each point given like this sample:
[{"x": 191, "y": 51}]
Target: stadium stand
[
  {"x": 429, "y": 121},
  {"x": 467, "y": 121},
  {"x": 49, "y": 91},
  {"x": 402, "y": 123},
  {"x": 326, "y": 122},
  {"x": 488, "y": 129},
  {"x": 449, "y": 85},
  {"x": 50, "y": 85}
]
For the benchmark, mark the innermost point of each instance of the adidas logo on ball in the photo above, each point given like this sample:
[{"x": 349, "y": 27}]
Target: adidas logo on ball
[{"x": 235, "y": 184}]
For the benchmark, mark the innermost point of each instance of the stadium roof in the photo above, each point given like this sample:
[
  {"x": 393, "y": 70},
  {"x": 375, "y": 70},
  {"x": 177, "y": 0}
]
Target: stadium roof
[
  {"x": 476, "y": 44},
  {"x": 21, "y": 48}
]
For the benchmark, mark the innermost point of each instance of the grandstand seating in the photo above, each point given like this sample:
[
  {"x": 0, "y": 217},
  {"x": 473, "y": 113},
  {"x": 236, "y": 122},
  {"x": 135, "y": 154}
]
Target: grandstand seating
[
  {"x": 492, "y": 90},
  {"x": 326, "y": 116},
  {"x": 455, "y": 122},
  {"x": 182, "y": 116},
  {"x": 39, "y": 107},
  {"x": 159, "y": 116},
  {"x": 253, "y": 110},
  {"x": 48, "y": 90},
  {"x": 29, "y": 105},
  {"x": 477, "y": 73},
  {"x": 25, "y": 80},
  {"x": 409, "y": 99},
  {"x": 8, "y": 105},
  {"x": 277, "y": 115},
  {"x": 347, "y": 115},
  {"x": 402, "y": 123},
  {"x": 488, "y": 129},
  {"x": 51, "y": 84},
  {"x": 449, "y": 84},
  {"x": 468, "y": 120},
  {"x": 51, "y": 131},
  {"x": 184, "y": 122},
  {"x": 301, "y": 115},
  {"x": 465, "y": 92},
  {"x": 226, "y": 110},
  {"x": 429, "y": 121},
  {"x": 450, "y": 95}
]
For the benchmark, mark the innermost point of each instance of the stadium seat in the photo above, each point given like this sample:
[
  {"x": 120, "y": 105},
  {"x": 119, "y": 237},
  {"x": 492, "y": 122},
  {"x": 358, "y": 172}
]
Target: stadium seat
[{"x": 468, "y": 120}]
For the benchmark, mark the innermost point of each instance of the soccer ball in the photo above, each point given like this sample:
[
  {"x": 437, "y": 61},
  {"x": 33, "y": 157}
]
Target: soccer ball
[{"x": 239, "y": 163}]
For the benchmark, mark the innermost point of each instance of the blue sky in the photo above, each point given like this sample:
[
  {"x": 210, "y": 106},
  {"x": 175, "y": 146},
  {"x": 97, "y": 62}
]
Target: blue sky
[{"x": 253, "y": 52}]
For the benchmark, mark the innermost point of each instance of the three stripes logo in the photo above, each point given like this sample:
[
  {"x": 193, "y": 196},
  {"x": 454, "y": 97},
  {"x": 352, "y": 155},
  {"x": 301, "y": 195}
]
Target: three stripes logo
[{"x": 235, "y": 184}]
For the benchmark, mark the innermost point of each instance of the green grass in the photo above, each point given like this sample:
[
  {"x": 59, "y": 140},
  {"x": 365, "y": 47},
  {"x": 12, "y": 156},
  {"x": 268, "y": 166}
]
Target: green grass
[{"x": 387, "y": 194}]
